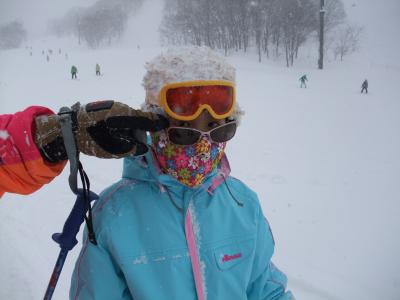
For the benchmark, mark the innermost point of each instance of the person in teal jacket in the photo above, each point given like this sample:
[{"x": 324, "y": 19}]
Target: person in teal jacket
[
  {"x": 177, "y": 225},
  {"x": 74, "y": 71},
  {"x": 303, "y": 79}
]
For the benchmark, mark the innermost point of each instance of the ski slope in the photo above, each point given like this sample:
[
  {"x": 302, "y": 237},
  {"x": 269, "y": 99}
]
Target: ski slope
[{"x": 323, "y": 160}]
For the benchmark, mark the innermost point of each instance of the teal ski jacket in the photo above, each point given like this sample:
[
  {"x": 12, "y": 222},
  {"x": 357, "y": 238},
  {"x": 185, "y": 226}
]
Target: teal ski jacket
[{"x": 161, "y": 240}]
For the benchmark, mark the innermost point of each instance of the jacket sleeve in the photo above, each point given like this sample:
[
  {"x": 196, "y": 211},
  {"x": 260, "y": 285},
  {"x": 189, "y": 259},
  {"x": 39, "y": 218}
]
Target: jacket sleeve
[
  {"x": 266, "y": 282},
  {"x": 96, "y": 276},
  {"x": 22, "y": 168}
]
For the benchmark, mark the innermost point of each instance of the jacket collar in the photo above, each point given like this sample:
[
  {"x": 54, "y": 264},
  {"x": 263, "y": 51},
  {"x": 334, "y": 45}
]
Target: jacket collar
[{"x": 146, "y": 168}]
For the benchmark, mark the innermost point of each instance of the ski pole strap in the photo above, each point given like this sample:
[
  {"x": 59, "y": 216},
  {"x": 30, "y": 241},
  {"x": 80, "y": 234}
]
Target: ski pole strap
[
  {"x": 68, "y": 122},
  {"x": 86, "y": 199},
  {"x": 69, "y": 125}
]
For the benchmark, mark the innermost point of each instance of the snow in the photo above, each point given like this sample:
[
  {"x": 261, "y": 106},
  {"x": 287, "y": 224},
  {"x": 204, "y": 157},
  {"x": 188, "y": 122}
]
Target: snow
[
  {"x": 4, "y": 134},
  {"x": 27, "y": 142},
  {"x": 142, "y": 260},
  {"x": 158, "y": 259},
  {"x": 323, "y": 160}
]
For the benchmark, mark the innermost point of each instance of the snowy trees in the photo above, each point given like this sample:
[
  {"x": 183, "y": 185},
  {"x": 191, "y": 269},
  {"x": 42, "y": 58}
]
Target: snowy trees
[
  {"x": 273, "y": 27},
  {"x": 298, "y": 21},
  {"x": 101, "y": 23},
  {"x": 335, "y": 14},
  {"x": 212, "y": 23},
  {"x": 12, "y": 35},
  {"x": 238, "y": 24},
  {"x": 347, "y": 41}
]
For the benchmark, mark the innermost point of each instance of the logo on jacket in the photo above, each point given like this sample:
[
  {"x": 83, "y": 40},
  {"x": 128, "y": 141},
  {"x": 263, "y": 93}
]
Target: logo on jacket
[{"x": 227, "y": 257}]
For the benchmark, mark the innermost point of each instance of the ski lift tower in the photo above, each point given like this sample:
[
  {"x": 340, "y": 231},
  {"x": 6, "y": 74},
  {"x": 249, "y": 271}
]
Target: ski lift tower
[{"x": 321, "y": 35}]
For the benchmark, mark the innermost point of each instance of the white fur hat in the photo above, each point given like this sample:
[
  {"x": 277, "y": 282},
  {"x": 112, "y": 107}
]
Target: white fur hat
[{"x": 185, "y": 64}]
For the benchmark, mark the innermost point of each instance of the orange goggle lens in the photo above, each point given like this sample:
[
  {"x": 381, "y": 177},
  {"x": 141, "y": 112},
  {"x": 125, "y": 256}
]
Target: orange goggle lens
[{"x": 184, "y": 102}]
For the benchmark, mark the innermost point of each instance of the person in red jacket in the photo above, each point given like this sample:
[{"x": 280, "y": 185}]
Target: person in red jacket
[
  {"x": 32, "y": 151},
  {"x": 22, "y": 168}
]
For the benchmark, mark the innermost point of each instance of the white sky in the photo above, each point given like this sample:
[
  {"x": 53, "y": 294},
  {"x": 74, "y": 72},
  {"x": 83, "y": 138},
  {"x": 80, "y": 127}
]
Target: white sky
[
  {"x": 381, "y": 22},
  {"x": 36, "y": 13}
]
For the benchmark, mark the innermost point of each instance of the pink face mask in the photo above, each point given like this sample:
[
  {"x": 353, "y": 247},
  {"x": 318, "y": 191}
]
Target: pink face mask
[{"x": 188, "y": 164}]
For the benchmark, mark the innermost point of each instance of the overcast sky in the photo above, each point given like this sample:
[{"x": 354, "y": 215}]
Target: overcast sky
[{"x": 36, "y": 13}]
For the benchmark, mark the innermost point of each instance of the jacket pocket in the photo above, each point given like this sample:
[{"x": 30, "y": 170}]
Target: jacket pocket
[{"x": 229, "y": 256}]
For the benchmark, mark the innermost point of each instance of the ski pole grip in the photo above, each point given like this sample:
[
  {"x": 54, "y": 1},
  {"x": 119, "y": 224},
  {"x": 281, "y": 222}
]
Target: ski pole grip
[{"x": 67, "y": 238}]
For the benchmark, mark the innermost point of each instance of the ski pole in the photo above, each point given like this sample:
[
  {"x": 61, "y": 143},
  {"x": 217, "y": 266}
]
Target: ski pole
[{"x": 67, "y": 238}]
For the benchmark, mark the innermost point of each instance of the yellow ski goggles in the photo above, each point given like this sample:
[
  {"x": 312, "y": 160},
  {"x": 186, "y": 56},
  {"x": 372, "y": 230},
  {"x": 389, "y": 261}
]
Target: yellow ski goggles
[{"x": 186, "y": 100}]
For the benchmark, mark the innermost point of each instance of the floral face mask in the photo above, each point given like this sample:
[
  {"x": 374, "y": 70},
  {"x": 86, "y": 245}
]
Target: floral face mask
[{"x": 189, "y": 164}]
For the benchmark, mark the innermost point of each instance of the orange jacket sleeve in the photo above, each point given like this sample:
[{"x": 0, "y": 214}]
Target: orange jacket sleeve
[{"x": 22, "y": 168}]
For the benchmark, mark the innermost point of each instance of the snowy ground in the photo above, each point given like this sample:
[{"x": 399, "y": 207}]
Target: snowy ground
[{"x": 324, "y": 161}]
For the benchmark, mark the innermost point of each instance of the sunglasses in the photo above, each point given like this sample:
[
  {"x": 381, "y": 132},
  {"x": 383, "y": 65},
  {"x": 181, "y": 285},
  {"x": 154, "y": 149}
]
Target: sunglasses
[
  {"x": 185, "y": 101},
  {"x": 189, "y": 136}
]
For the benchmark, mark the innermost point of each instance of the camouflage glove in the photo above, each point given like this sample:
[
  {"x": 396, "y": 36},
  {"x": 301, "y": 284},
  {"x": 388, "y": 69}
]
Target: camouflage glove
[{"x": 104, "y": 129}]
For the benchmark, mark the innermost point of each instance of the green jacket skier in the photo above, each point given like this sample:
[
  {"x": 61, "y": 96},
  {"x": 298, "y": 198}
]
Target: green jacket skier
[
  {"x": 98, "y": 70},
  {"x": 303, "y": 80},
  {"x": 74, "y": 70}
]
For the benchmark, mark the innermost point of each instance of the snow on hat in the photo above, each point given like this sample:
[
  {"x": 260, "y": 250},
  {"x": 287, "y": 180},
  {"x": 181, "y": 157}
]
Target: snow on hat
[{"x": 185, "y": 64}]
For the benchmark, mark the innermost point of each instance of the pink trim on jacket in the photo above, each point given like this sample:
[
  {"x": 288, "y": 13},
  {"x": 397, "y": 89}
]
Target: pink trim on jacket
[
  {"x": 223, "y": 172},
  {"x": 194, "y": 256}
]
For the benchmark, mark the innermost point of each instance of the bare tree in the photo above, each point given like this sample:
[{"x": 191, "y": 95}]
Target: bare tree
[
  {"x": 334, "y": 16},
  {"x": 257, "y": 15},
  {"x": 12, "y": 35},
  {"x": 99, "y": 24},
  {"x": 348, "y": 40},
  {"x": 298, "y": 22}
]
